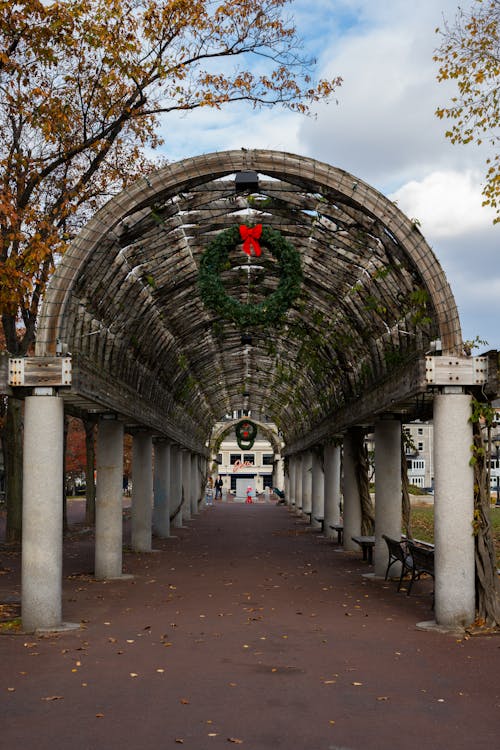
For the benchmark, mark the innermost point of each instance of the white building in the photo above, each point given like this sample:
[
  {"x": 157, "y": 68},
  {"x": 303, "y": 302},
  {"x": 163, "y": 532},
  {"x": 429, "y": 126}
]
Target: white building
[
  {"x": 259, "y": 467},
  {"x": 419, "y": 454}
]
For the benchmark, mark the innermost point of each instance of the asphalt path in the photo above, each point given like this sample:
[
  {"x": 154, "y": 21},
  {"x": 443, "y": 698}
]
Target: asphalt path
[{"x": 246, "y": 628}]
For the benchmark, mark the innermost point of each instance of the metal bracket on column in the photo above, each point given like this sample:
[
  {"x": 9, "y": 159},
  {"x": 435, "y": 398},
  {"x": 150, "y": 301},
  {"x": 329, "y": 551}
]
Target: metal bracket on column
[
  {"x": 36, "y": 372},
  {"x": 456, "y": 370}
]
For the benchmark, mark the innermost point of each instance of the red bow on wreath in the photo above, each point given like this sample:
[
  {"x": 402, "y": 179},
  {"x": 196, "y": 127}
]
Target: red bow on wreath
[{"x": 250, "y": 235}]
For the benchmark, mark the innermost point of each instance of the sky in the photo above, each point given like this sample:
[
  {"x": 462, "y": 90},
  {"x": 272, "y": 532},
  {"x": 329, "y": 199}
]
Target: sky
[{"x": 382, "y": 129}]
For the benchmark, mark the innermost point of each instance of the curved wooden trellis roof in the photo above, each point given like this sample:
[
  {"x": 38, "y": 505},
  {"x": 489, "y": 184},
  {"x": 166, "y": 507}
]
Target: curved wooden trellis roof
[{"x": 125, "y": 300}]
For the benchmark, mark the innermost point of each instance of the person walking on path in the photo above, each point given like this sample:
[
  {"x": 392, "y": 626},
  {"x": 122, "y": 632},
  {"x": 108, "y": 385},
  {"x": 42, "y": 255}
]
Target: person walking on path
[{"x": 218, "y": 488}]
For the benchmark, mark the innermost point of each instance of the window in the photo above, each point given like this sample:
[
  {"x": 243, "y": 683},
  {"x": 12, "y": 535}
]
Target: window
[
  {"x": 420, "y": 431},
  {"x": 420, "y": 446},
  {"x": 268, "y": 480},
  {"x": 417, "y": 481},
  {"x": 416, "y": 464},
  {"x": 233, "y": 457},
  {"x": 267, "y": 459},
  {"x": 249, "y": 458}
]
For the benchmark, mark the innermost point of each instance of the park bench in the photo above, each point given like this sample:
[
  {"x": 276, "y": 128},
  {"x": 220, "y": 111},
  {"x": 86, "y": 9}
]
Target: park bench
[
  {"x": 321, "y": 521},
  {"x": 367, "y": 544},
  {"x": 422, "y": 561},
  {"x": 398, "y": 552},
  {"x": 339, "y": 528}
]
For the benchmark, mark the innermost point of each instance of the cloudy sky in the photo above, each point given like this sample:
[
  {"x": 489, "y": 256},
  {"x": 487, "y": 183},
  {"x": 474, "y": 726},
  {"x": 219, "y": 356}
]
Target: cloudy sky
[{"x": 383, "y": 130}]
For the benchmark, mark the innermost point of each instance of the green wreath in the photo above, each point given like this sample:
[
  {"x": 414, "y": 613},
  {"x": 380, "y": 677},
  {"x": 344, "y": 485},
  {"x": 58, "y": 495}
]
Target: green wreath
[
  {"x": 271, "y": 310},
  {"x": 246, "y": 432}
]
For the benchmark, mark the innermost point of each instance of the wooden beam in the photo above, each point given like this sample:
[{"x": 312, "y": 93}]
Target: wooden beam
[
  {"x": 396, "y": 394},
  {"x": 35, "y": 372}
]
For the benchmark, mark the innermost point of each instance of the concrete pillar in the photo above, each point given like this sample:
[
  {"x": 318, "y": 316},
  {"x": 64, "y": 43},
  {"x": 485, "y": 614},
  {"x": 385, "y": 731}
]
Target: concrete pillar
[
  {"x": 280, "y": 473},
  {"x": 195, "y": 483},
  {"x": 332, "y": 460},
  {"x": 142, "y": 491},
  {"x": 318, "y": 489},
  {"x": 387, "y": 490},
  {"x": 186, "y": 484},
  {"x": 176, "y": 483},
  {"x": 109, "y": 500},
  {"x": 306, "y": 482},
  {"x": 453, "y": 510},
  {"x": 161, "y": 489},
  {"x": 352, "y": 503},
  {"x": 286, "y": 485},
  {"x": 298, "y": 483},
  {"x": 42, "y": 512},
  {"x": 292, "y": 470}
]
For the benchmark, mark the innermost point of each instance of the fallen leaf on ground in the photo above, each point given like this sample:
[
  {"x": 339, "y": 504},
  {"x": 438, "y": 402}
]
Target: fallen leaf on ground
[
  {"x": 184, "y": 701},
  {"x": 235, "y": 740},
  {"x": 53, "y": 698}
]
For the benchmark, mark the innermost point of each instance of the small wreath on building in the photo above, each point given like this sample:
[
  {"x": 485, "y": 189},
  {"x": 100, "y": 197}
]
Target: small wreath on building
[
  {"x": 215, "y": 259},
  {"x": 246, "y": 432}
]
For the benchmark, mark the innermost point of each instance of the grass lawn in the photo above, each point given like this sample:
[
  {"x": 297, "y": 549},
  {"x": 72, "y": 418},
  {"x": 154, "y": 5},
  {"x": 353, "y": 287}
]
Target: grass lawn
[{"x": 422, "y": 524}]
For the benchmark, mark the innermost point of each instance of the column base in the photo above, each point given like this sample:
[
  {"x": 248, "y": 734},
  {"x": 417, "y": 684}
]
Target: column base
[
  {"x": 431, "y": 625},
  {"x": 64, "y": 627}
]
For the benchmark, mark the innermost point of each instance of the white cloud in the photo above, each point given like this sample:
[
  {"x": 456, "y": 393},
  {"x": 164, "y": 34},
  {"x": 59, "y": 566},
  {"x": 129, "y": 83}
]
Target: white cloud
[
  {"x": 447, "y": 204},
  {"x": 384, "y": 129}
]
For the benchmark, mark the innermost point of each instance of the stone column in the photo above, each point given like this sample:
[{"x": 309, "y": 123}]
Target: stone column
[
  {"x": 352, "y": 503},
  {"x": 387, "y": 490},
  {"x": 298, "y": 483},
  {"x": 176, "y": 483},
  {"x": 161, "y": 489},
  {"x": 306, "y": 482},
  {"x": 109, "y": 500},
  {"x": 142, "y": 491},
  {"x": 332, "y": 459},
  {"x": 195, "y": 484},
  {"x": 42, "y": 512},
  {"x": 186, "y": 484},
  {"x": 280, "y": 473},
  {"x": 292, "y": 470},
  {"x": 453, "y": 510},
  {"x": 318, "y": 490}
]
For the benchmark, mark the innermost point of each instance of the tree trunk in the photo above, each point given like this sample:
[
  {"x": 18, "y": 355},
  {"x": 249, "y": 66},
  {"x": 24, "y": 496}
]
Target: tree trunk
[
  {"x": 487, "y": 583},
  {"x": 13, "y": 447},
  {"x": 405, "y": 495},
  {"x": 89, "y": 427},
  {"x": 362, "y": 478}
]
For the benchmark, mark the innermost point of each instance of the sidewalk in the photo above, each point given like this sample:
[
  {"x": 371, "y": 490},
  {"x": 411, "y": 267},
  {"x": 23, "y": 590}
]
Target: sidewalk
[{"x": 246, "y": 628}]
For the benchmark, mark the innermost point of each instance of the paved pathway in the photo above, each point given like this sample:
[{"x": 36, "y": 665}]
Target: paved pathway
[{"x": 246, "y": 629}]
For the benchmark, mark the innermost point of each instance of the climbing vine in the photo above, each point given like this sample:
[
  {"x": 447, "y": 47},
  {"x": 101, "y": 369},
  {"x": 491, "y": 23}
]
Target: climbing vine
[
  {"x": 360, "y": 454},
  {"x": 487, "y": 582}
]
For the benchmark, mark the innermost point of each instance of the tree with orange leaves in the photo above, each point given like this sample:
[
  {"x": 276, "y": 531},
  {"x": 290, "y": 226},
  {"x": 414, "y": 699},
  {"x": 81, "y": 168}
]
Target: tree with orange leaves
[{"x": 84, "y": 85}]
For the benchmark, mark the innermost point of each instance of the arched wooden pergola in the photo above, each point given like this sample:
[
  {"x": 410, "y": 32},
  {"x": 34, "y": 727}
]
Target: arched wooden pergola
[{"x": 372, "y": 338}]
